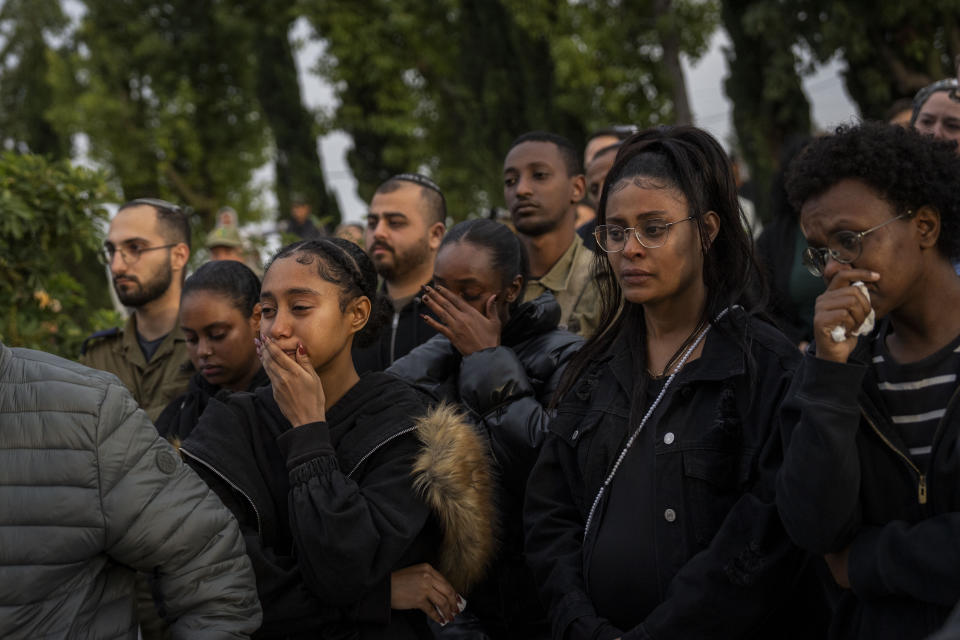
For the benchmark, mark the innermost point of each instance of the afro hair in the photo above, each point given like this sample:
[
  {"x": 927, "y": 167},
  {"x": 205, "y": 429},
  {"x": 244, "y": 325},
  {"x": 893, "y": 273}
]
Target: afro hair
[{"x": 905, "y": 168}]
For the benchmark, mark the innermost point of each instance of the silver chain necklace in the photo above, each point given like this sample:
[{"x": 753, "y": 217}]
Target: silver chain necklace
[{"x": 653, "y": 407}]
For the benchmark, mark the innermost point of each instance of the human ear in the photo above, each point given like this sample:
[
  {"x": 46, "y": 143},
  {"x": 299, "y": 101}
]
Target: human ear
[
  {"x": 358, "y": 313},
  {"x": 927, "y": 222},
  {"x": 435, "y": 234},
  {"x": 578, "y": 187},
  {"x": 179, "y": 256},
  {"x": 514, "y": 289},
  {"x": 711, "y": 223}
]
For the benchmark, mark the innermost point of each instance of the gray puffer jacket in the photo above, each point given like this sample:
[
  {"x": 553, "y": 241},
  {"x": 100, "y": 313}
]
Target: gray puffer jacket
[{"x": 89, "y": 493}]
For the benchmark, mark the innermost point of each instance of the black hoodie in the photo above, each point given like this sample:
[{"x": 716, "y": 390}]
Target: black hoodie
[
  {"x": 182, "y": 414},
  {"x": 328, "y": 509}
]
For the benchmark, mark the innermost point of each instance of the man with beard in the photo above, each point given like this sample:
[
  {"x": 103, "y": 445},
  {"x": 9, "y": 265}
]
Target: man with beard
[
  {"x": 405, "y": 225},
  {"x": 146, "y": 249},
  {"x": 542, "y": 184}
]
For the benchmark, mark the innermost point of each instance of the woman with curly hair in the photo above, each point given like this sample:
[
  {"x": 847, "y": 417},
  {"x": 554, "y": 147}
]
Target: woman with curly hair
[
  {"x": 650, "y": 512},
  {"x": 871, "y": 423}
]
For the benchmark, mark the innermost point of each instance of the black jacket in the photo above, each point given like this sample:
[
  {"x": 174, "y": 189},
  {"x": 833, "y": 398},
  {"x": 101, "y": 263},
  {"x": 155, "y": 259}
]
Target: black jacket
[
  {"x": 506, "y": 391},
  {"x": 726, "y": 566},
  {"x": 180, "y": 416},
  {"x": 328, "y": 509},
  {"x": 847, "y": 480},
  {"x": 406, "y": 331}
]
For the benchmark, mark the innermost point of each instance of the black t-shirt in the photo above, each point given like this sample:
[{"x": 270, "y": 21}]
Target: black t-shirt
[
  {"x": 916, "y": 394},
  {"x": 149, "y": 347},
  {"x": 622, "y": 577}
]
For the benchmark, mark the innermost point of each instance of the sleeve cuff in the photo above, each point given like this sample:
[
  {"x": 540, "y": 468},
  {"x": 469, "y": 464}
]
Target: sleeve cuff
[
  {"x": 304, "y": 443},
  {"x": 837, "y": 382}
]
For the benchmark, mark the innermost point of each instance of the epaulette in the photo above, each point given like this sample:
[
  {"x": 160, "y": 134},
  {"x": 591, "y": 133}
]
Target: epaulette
[{"x": 103, "y": 333}]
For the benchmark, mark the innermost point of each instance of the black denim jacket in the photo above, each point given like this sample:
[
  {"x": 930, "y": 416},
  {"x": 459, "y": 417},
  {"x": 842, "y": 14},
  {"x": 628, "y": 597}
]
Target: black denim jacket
[{"x": 726, "y": 566}]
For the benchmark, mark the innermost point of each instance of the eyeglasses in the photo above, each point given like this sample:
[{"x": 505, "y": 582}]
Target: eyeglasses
[
  {"x": 843, "y": 246},
  {"x": 130, "y": 254},
  {"x": 612, "y": 238}
]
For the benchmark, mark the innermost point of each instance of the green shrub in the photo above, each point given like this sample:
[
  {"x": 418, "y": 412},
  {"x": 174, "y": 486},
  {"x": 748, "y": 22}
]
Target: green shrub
[{"x": 53, "y": 290}]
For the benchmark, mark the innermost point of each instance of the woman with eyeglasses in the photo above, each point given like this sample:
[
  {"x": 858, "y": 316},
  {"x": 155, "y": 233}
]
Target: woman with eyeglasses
[
  {"x": 650, "y": 512},
  {"x": 870, "y": 476}
]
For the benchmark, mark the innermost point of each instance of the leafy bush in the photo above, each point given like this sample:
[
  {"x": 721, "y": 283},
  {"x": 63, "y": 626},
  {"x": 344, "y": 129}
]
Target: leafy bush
[{"x": 53, "y": 291}]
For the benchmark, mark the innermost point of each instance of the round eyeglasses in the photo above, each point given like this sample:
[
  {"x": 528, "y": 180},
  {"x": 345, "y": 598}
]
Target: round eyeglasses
[
  {"x": 129, "y": 254},
  {"x": 612, "y": 238},
  {"x": 842, "y": 246}
]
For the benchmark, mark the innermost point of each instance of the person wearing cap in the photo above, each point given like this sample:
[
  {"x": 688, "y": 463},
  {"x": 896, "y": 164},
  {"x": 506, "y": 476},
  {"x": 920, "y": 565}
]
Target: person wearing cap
[
  {"x": 300, "y": 223},
  {"x": 147, "y": 249},
  {"x": 224, "y": 241},
  {"x": 405, "y": 224}
]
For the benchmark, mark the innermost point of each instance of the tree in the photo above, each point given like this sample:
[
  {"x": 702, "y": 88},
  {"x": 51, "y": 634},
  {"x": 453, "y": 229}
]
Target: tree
[
  {"x": 53, "y": 291},
  {"x": 26, "y": 98},
  {"x": 891, "y": 49},
  {"x": 765, "y": 87},
  {"x": 294, "y": 128},
  {"x": 165, "y": 91},
  {"x": 444, "y": 87}
]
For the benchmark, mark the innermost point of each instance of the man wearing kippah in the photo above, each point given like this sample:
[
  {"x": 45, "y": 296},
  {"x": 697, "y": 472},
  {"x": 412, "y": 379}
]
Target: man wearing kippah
[{"x": 405, "y": 224}]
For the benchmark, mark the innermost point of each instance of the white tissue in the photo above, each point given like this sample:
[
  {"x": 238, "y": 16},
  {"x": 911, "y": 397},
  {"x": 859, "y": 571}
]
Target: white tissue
[{"x": 839, "y": 334}]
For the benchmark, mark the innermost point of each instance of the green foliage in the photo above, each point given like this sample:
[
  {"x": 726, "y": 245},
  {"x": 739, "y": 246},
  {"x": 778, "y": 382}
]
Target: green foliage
[
  {"x": 26, "y": 97},
  {"x": 891, "y": 49},
  {"x": 165, "y": 91},
  {"x": 444, "y": 87},
  {"x": 769, "y": 104},
  {"x": 51, "y": 222}
]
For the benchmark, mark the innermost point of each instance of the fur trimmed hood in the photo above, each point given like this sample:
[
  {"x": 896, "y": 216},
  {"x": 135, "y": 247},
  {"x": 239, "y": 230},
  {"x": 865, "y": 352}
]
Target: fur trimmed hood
[{"x": 454, "y": 474}]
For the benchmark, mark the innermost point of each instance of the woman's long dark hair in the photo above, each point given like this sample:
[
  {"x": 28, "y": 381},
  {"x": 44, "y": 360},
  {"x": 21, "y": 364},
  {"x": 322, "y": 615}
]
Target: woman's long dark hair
[{"x": 693, "y": 162}]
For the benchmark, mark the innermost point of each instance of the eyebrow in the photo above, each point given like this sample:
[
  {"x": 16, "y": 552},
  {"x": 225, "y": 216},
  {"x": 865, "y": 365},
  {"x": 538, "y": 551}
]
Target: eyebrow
[
  {"x": 295, "y": 291},
  {"x": 387, "y": 214},
  {"x": 126, "y": 241}
]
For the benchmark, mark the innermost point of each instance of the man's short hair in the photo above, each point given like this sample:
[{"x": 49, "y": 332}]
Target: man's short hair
[
  {"x": 173, "y": 221},
  {"x": 904, "y": 167},
  {"x": 569, "y": 153},
  {"x": 436, "y": 204}
]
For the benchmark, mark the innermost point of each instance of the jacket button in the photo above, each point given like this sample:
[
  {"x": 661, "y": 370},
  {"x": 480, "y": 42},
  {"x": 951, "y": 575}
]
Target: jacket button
[
  {"x": 668, "y": 437},
  {"x": 669, "y": 515},
  {"x": 575, "y": 434}
]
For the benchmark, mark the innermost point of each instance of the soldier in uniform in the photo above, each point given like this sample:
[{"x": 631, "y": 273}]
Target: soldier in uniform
[{"x": 147, "y": 249}]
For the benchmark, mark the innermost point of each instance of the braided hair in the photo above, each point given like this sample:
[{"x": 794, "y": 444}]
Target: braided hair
[{"x": 346, "y": 265}]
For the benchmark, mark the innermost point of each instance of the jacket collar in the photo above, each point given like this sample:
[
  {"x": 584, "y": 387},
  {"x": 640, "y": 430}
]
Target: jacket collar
[
  {"x": 721, "y": 358},
  {"x": 559, "y": 275},
  {"x": 131, "y": 347},
  {"x": 535, "y": 317}
]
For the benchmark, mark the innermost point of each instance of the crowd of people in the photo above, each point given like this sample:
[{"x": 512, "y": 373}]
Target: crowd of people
[{"x": 629, "y": 413}]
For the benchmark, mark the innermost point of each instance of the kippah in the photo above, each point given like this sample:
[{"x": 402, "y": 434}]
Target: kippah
[{"x": 419, "y": 179}]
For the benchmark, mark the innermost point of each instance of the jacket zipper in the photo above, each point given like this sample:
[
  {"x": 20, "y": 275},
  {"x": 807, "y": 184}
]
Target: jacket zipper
[
  {"x": 393, "y": 336},
  {"x": 232, "y": 485},
  {"x": 922, "y": 478},
  {"x": 378, "y": 447}
]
